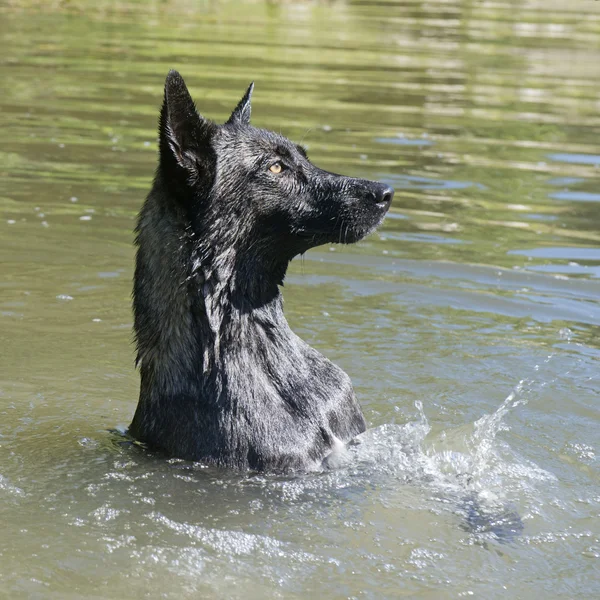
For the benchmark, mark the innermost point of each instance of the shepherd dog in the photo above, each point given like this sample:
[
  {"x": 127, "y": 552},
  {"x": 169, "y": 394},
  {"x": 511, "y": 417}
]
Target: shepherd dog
[{"x": 224, "y": 380}]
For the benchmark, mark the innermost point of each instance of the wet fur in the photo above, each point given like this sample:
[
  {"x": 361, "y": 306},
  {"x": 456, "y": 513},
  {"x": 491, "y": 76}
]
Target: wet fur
[{"x": 224, "y": 380}]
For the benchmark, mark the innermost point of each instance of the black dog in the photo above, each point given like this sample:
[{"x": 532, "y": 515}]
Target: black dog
[{"x": 224, "y": 380}]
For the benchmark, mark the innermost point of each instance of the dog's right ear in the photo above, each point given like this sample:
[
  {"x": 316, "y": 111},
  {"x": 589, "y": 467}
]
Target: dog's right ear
[{"x": 184, "y": 133}]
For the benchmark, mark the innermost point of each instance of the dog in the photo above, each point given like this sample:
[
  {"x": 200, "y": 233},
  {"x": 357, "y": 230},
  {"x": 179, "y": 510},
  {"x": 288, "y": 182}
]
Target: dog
[{"x": 224, "y": 380}]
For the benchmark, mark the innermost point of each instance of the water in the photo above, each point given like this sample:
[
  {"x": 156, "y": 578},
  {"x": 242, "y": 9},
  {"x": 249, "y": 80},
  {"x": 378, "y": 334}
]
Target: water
[{"x": 469, "y": 324}]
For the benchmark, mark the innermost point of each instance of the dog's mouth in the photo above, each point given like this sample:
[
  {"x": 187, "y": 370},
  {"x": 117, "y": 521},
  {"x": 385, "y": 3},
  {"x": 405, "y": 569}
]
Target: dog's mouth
[
  {"x": 346, "y": 232},
  {"x": 363, "y": 212},
  {"x": 358, "y": 232}
]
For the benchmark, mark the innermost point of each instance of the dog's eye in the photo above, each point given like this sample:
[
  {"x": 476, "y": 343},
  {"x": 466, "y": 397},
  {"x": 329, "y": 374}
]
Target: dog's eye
[{"x": 276, "y": 168}]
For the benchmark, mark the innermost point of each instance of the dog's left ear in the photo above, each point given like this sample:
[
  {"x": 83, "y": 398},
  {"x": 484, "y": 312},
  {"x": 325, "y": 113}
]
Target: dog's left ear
[{"x": 241, "y": 114}]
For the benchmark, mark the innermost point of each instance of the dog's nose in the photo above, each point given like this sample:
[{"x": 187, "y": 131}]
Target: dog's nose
[{"x": 384, "y": 195}]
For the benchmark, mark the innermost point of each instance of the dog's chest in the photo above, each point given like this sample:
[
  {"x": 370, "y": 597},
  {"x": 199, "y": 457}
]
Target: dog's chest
[{"x": 279, "y": 382}]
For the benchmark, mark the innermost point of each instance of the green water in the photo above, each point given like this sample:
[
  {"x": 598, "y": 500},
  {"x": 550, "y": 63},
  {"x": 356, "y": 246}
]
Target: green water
[{"x": 485, "y": 117}]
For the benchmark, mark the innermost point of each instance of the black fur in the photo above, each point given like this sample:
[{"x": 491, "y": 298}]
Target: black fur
[{"x": 224, "y": 380}]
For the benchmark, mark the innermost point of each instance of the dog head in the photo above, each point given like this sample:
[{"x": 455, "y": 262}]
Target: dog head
[{"x": 258, "y": 181}]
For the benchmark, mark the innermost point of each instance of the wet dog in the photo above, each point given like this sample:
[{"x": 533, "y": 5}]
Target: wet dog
[{"x": 224, "y": 380}]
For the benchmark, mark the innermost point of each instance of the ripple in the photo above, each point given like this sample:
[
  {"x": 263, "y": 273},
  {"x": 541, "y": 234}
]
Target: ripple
[
  {"x": 6, "y": 486},
  {"x": 407, "y": 182},
  {"x": 582, "y": 159},
  {"x": 575, "y": 196},
  {"x": 563, "y": 252},
  {"x": 403, "y": 141},
  {"x": 426, "y": 238}
]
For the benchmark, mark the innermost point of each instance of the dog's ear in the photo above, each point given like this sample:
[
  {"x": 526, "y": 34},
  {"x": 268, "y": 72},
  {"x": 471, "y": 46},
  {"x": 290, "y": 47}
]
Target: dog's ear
[
  {"x": 184, "y": 133},
  {"x": 241, "y": 114}
]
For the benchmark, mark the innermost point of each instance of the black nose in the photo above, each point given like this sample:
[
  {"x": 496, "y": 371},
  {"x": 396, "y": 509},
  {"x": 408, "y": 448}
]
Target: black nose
[{"x": 384, "y": 195}]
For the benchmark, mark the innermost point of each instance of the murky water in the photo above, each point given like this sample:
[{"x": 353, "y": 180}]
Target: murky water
[{"x": 469, "y": 324}]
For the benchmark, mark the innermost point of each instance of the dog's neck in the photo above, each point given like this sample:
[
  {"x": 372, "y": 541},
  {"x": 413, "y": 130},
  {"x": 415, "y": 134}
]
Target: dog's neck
[
  {"x": 232, "y": 289},
  {"x": 245, "y": 279}
]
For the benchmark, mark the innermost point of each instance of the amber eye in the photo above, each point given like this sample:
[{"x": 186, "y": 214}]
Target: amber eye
[{"x": 276, "y": 168}]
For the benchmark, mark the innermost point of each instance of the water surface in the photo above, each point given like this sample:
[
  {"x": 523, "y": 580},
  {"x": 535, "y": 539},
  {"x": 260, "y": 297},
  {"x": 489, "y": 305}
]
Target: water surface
[{"x": 469, "y": 323}]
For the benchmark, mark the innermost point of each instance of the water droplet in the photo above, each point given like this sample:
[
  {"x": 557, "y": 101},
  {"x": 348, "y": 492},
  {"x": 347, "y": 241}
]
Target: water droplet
[
  {"x": 87, "y": 442},
  {"x": 565, "y": 334}
]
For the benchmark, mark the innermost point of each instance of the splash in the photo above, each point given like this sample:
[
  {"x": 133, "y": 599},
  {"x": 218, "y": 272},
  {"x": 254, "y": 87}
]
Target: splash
[{"x": 468, "y": 467}]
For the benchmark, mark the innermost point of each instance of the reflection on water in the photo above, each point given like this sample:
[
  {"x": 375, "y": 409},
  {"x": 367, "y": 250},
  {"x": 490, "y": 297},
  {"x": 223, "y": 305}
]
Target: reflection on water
[{"x": 484, "y": 117}]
